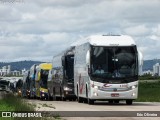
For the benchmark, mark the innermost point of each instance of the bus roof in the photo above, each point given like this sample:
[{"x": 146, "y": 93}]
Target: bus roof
[
  {"x": 107, "y": 40},
  {"x": 45, "y": 66}
]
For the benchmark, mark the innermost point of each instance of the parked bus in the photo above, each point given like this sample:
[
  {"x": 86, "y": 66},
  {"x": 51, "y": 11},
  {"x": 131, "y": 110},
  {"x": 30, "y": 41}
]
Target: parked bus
[
  {"x": 26, "y": 85},
  {"x": 32, "y": 81},
  {"x": 61, "y": 83},
  {"x": 41, "y": 79},
  {"x": 4, "y": 85},
  {"x": 106, "y": 68},
  {"x": 19, "y": 86}
]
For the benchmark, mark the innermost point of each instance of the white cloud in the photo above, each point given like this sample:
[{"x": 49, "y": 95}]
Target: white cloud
[
  {"x": 40, "y": 29},
  {"x": 28, "y": 17},
  {"x": 156, "y": 30},
  {"x": 154, "y": 37},
  {"x": 140, "y": 30}
]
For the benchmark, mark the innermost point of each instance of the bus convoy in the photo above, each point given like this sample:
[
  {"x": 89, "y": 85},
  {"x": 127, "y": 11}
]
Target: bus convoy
[
  {"x": 61, "y": 85},
  {"x": 99, "y": 67}
]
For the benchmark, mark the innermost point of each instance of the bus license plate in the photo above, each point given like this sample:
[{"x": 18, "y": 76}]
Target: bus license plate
[{"x": 115, "y": 95}]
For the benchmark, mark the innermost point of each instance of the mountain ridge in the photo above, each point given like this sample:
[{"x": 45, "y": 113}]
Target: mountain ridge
[{"x": 19, "y": 65}]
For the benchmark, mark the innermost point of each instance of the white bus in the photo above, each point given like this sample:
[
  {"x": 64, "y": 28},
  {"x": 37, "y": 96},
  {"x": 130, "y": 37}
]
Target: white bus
[
  {"x": 106, "y": 68},
  {"x": 60, "y": 81}
]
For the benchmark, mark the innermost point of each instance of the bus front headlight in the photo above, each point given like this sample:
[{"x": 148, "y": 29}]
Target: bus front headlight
[
  {"x": 42, "y": 91},
  {"x": 133, "y": 94},
  {"x": 95, "y": 87},
  {"x": 134, "y": 86},
  {"x": 67, "y": 89}
]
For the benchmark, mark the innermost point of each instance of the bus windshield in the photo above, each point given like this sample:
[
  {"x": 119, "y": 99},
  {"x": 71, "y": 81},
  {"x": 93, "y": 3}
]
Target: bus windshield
[
  {"x": 114, "y": 63},
  {"x": 4, "y": 82},
  {"x": 69, "y": 67},
  {"x": 44, "y": 77}
]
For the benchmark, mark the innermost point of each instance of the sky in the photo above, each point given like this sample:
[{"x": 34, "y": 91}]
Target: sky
[{"x": 40, "y": 29}]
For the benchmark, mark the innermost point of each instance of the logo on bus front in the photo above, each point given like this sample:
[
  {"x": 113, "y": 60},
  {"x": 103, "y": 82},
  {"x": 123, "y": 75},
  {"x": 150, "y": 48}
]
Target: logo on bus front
[{"x": 106, "y": 85}]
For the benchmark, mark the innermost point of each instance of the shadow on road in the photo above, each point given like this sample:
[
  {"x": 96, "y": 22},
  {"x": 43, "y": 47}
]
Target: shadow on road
[{"x": 102, "y": 103}]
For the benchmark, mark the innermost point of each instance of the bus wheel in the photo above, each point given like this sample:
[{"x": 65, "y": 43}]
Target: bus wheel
[
  {"x": 80, "y": 99},
  {"x": 86, "y": 100},
  {"x": 90, "y": 101},
  {"x": 49, "y": 96},
  {"x": 116, "y": 101},
  {"x": 54, "y": 95},
  {"x": 110, "y": 101},
  {"x": 35, "y": 97},
  {"x": 41, "y": 98},
  {"x": 129, "y": 102},
  {"x": 70, "y": 99},
  {"x": 74, "y": 99},
  {"x": 28, "y": 96},
  {"x": 64, "y": 99},
  {"x": 61, "y": 96}
]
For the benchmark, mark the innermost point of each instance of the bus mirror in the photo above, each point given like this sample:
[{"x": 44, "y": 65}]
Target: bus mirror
[
  {"x": 88, "y": 58},
  {"x": 89, "y": 71},
  {"x": 140, "y": 58}
]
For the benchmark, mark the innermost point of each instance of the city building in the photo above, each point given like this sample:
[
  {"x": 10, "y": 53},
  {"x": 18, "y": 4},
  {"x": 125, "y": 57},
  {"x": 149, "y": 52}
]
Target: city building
[
  {"x": 15, "y": 73},
  {"x": 156, "y": 69},
  {"x": 147, "y": 72},
  {"x": 6, "y": 70},
  {"x": 23, "y": 71}
]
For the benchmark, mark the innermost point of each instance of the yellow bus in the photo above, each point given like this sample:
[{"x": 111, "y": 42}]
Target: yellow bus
[{"x": 42, "y": 71}]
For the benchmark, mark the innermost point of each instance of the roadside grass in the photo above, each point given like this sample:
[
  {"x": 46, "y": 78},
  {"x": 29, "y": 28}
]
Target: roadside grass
[
  {"x": 10, "y": 103},
  {"x": 149, "y": 77},
  {"x": 14, "y": 103},
  {"x": 149, "y": 92}
]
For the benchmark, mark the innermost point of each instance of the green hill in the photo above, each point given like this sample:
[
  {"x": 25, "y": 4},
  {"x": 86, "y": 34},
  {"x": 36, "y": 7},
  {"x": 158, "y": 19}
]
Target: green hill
[
  {"x": 19, "y": 65},
  {"x": 148, "y": 64}
]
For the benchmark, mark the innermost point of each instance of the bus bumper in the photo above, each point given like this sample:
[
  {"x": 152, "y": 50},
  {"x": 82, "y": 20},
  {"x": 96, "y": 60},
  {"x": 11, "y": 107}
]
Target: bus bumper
[
  {"x": 69, "y": 94},
  {"x": 105, "y": 95},
  {"x": 44, "y": 95}
]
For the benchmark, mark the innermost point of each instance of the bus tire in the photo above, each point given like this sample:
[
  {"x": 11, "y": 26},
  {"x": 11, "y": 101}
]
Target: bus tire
[
  {"x": 50, "y": 97},
  {"x": 64, "y": 99},
  {"x": 86, "y": 99},
  {"x": 129, "y": 102},
  {"x": 110, "y": 101},
  {"x": 116, "y": 101},
  {"x": 80, "y": 100},
  {"x": 74, "y": 99},
  {"x": 61, "y": 96},
  {"x": 54, "y": 94},
  {"x": 90, "y": 101}
]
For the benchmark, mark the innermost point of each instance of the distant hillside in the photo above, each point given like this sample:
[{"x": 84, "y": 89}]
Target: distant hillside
[
  {"x": 148, "y": 64},
  {"x": 20, "y": 64}
]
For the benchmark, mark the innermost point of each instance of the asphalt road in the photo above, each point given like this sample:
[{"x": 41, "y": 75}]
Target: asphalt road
[{"x": 118, "y": 110}]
